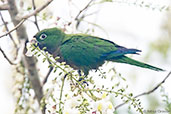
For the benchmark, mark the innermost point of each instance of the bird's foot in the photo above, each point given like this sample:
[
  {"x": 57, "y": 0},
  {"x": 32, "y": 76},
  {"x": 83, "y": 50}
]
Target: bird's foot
[{"x": 81, "y": 79}]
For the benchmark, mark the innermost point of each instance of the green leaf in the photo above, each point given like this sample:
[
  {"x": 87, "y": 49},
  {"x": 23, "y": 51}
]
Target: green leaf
[{"x": 29, "y": 8}]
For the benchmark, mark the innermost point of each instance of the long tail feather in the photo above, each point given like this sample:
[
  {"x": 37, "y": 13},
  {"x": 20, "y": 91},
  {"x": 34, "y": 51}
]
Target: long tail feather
[{"x": 130, "y": 61}]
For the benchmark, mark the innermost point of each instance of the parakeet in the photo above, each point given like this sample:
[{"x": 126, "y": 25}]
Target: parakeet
[{"x": 85, "y": 52}]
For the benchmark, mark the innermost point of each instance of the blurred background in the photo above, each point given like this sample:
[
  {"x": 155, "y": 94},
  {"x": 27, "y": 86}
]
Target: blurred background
[{"x": 140, "y": 24}]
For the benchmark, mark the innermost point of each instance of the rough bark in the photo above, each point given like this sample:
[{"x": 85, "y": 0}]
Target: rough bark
[{"x": 29, "y": 62}]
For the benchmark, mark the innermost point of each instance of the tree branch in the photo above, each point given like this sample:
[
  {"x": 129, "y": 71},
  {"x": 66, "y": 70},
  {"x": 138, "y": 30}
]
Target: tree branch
[
  {"x": 5, "y": 56},
  {"x": 35, "y": 16},
  {"x": 148, "y": 92},
  {"x": 4, "y": 7},
  {"x": 26, "y": 17},
  {"x": 17, "y": 26},
  {"x": 29, "y": 62},
  {"x": 37, "y": 10},
  {"x": 155, "y": 88},
  {"x": 47, "y": 75},
  {"x": 76, "y": 18},
  {"x": 6, "y": 27}
]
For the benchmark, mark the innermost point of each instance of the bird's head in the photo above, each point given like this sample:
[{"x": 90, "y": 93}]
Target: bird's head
[{"x": 50, "y": 38}]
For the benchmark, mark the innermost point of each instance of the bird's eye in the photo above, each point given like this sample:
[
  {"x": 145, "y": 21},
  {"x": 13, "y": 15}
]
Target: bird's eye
[{"x": 43, "y": 36}]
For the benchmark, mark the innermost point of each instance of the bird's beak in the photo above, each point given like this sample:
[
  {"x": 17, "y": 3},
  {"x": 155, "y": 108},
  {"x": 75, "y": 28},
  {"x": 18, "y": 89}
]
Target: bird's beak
[
  {"x": 33, "y": 41},
  {"x": 29, "y": 52}
]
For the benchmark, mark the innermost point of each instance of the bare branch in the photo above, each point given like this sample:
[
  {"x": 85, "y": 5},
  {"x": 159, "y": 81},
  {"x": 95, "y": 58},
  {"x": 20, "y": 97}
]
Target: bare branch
[
  {"x": 47, "y": 75},
  {"x": 35, "y": 16},
  {"x": 27, "y": 16},
  {"x": 37, "y": 10},
  {"x": 148, "y": 92},
  {"x": 5, "y": 56},
  {"x": 76, "y": 18},
  {"x": 6, "y": 27},
  {"x": 4, "y": 7},
  {"x": 17, "y": 26},
  {"x": 155, "y": 88}
]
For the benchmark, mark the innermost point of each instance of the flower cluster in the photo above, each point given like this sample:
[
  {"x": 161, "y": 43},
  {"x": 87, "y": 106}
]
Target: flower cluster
[
  {"x": 82, "y": 105},
  {"x": 65, "y": 94}
]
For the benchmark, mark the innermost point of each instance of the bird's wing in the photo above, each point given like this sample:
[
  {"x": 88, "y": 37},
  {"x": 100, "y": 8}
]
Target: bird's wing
[
  {"x": 90, "y": 51},
  {"x": 80, "y": 50},
  {"x": 85, "y": 52}
]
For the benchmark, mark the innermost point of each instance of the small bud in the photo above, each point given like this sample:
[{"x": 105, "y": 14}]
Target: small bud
[
  {"x": 104, "y": 96},
  {"x": 110, "y": 106},
  {"x": 99, "y": 108}
]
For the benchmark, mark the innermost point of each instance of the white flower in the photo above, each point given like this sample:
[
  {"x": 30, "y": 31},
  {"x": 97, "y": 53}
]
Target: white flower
[
  {"x": 72, "y": 102},
  {"x": 30, "y": 53},
  {"x": 71, "y": 111},
  {"x": 104, "y": 106},
  {"x": 109, "y": 111}
]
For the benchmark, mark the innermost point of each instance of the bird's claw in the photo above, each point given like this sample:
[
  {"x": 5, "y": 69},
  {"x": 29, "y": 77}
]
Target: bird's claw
[{"x": 81, "y": 79}]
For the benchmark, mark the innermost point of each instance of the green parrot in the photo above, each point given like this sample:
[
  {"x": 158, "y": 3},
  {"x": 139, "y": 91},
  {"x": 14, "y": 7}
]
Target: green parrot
[{"x": 85, "y": 52}]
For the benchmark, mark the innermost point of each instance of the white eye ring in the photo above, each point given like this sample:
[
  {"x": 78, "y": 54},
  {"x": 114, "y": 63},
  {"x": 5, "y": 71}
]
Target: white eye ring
[{"x": 43, "y": 36}]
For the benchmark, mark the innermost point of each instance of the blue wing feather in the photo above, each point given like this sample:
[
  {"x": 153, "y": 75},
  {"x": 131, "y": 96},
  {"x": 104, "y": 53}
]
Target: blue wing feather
[{"x": 120, "y": 52}]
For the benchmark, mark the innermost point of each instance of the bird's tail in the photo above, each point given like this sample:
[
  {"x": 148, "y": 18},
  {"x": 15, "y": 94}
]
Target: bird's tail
[{"x": 130, "y": 61}]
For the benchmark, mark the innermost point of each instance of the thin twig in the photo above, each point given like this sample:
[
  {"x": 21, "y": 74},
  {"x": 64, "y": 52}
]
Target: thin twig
[
  {"x": 6, "y": 27},
  {"x": 37, "y": 10},
  {"x": 27, "y": 16},
  {"x": 5, "y": 56},
  {"x": 60, "y": 98},
  {"x": 76, "y": 18},
  {"x": 155, "y": 88},
  {"x": 148, "y": 92},
  {"x": 17, "y": 26},
  {"x": 3, "y": 24},
  {"x": 35, "y": 16},
  {"x": 47, "y": 75}
]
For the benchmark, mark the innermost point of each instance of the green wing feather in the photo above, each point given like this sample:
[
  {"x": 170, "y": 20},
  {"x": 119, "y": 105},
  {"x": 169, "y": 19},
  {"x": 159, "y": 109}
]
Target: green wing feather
[
  {"x": 88, "y": 52},
  {"x": 85, "y": 52}
]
